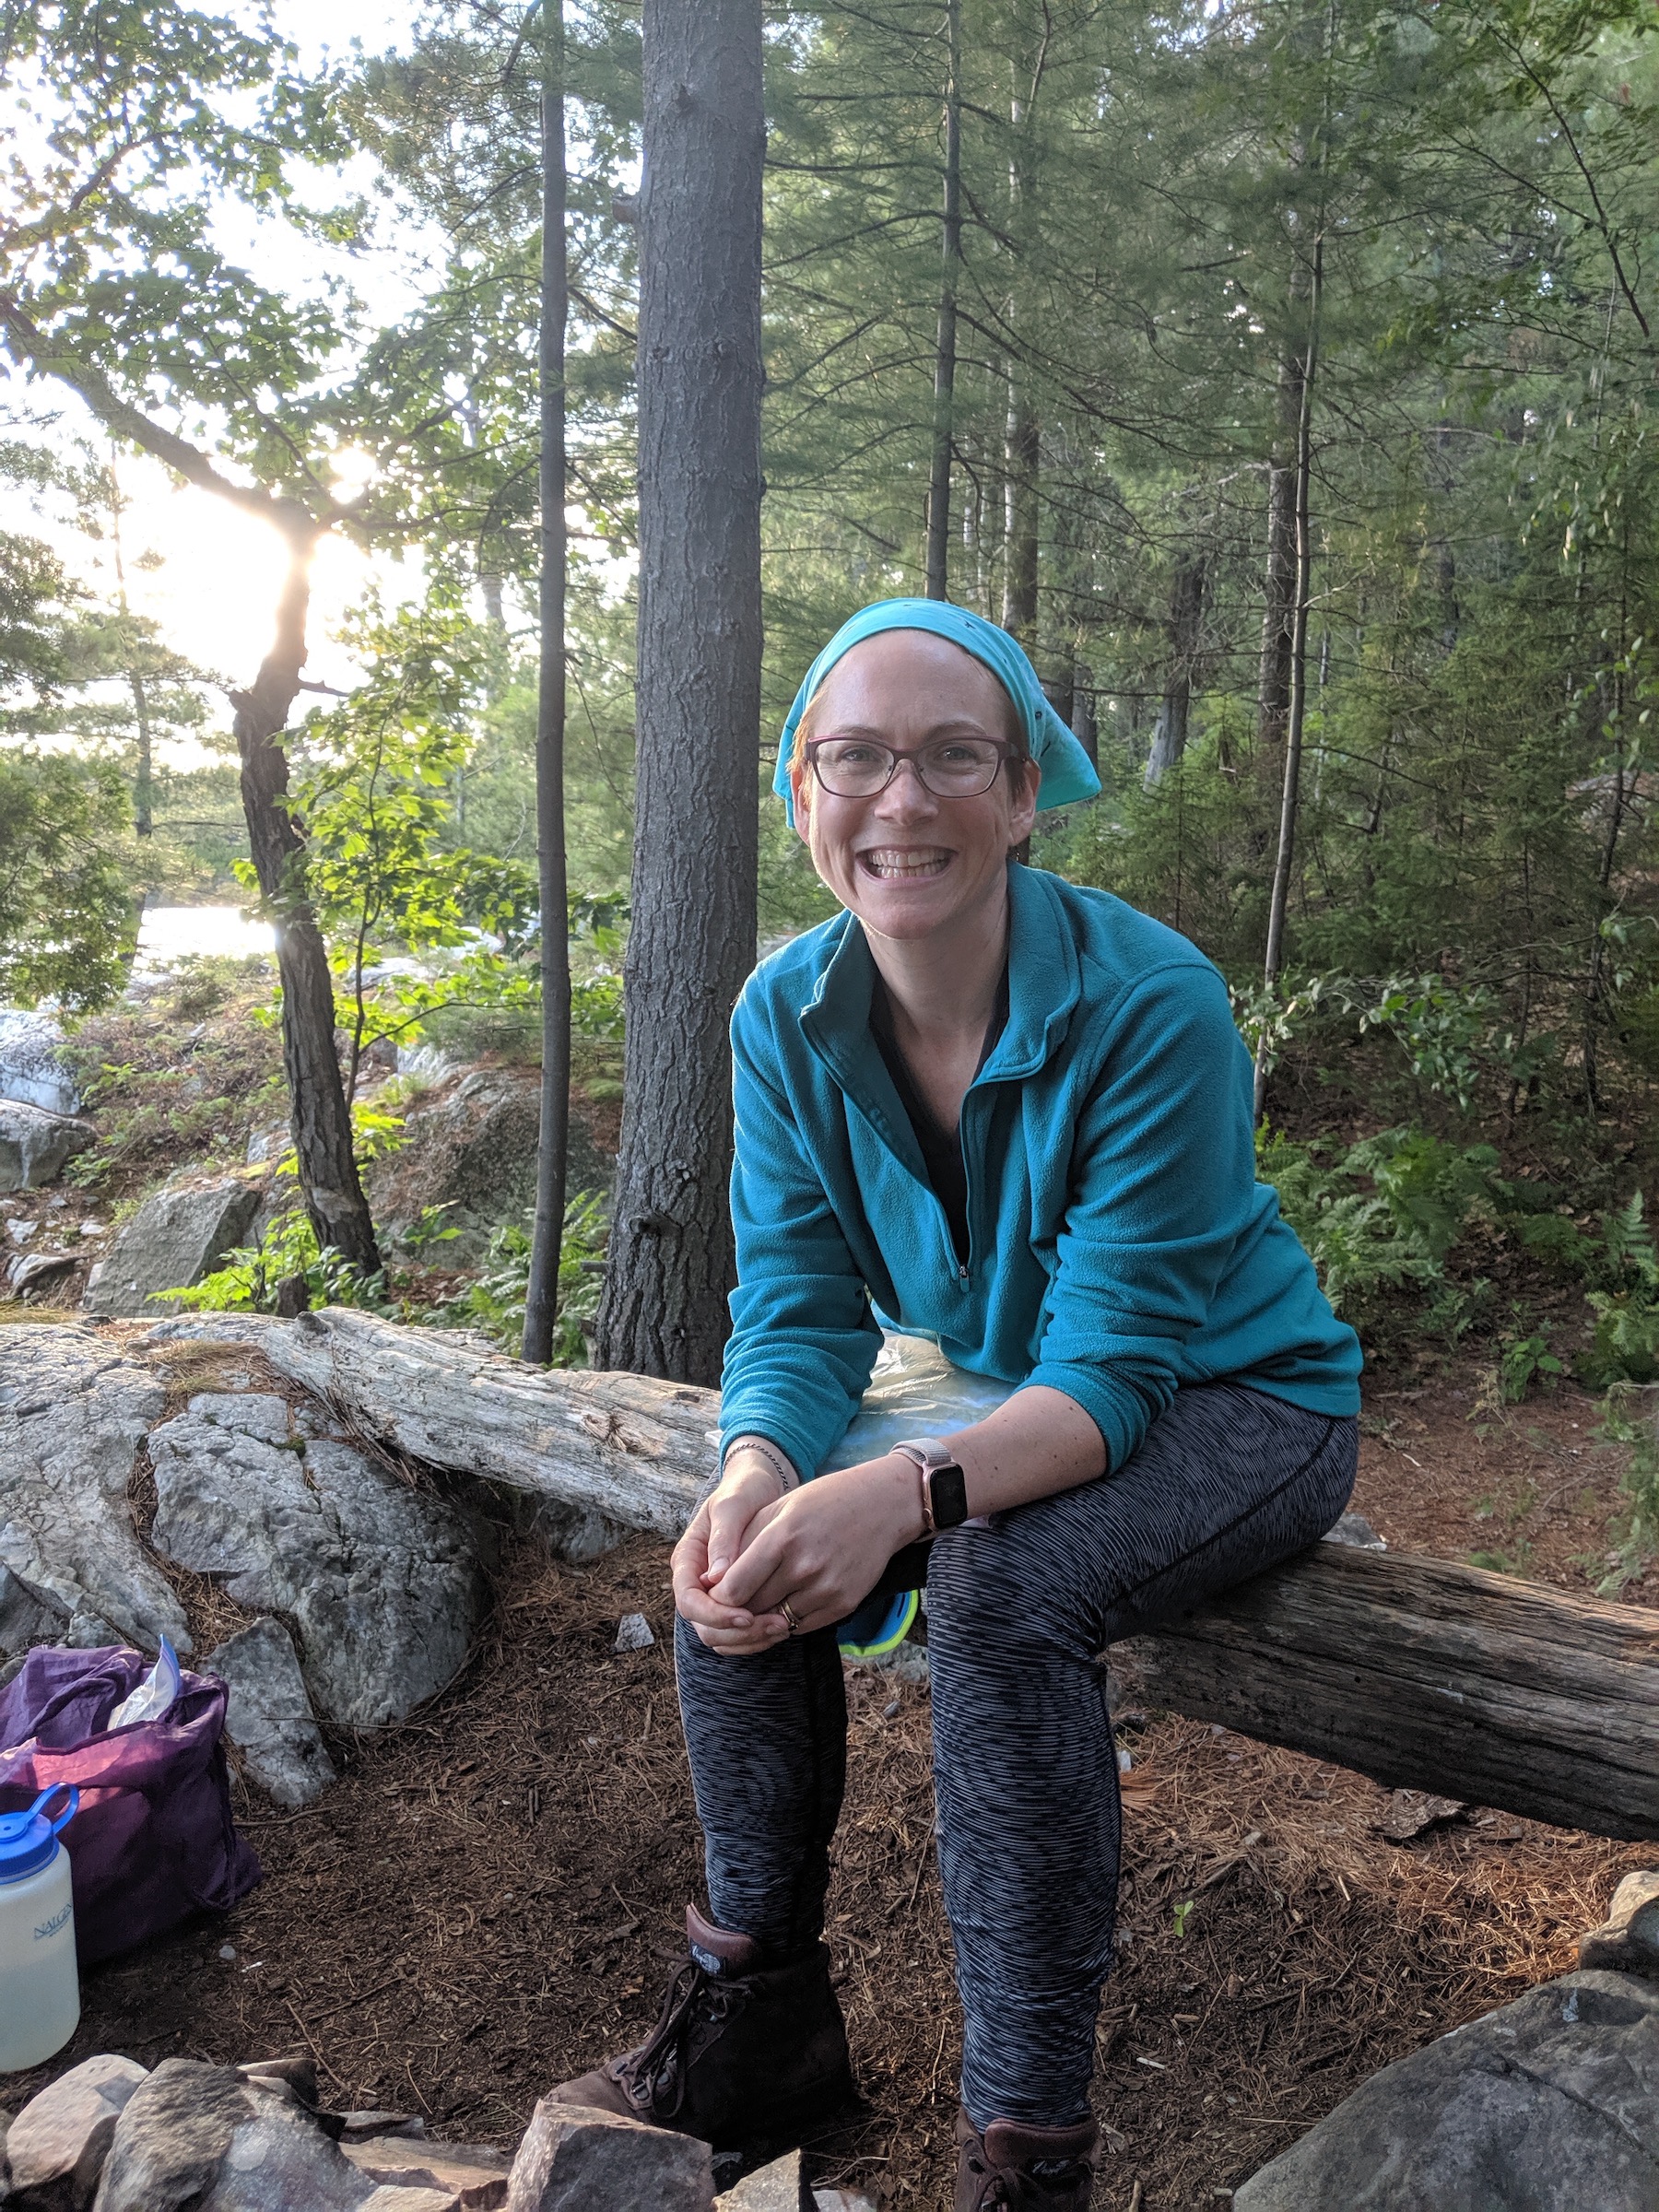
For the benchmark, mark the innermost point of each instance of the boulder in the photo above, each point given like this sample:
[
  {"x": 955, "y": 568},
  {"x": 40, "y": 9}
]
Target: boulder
[
  {"x": 32, "y": 1067},
  {"x": 35, "y": 1146},
  {"x": 269, "y": 1716},
  {"x": 73, "y": 1410},
  {"x": 475, "y": 2178},
  {"x": 780, "y": 2187},
  {"x": 1627, "y": 1940},
  {"x": 382, "y": 1580},
  {"x": 573, "y": 2159},
  {"x": 174, "y": 1239},
  {"x": 57, "y": 2145},
  {"x": 1549, "y": 2105},
  {"x": 217, "y": 2141}
]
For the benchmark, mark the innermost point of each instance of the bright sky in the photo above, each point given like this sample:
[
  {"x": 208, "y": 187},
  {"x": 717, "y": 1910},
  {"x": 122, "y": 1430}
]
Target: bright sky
[{"x": 214, "y": 588}]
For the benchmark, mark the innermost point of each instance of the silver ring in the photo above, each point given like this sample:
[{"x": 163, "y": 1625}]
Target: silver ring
[{"x": 788, "y": 1612}]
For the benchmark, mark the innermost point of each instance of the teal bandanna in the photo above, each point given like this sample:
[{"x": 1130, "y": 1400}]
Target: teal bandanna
[{"x": 1068, "y": 773}]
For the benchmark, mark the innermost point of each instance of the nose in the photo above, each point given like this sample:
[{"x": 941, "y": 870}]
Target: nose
[{"x": 906, "y": 798}]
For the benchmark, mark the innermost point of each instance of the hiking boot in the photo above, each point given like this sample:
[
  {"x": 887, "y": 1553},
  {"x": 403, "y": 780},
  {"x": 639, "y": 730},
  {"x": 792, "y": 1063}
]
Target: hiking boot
[
  {"x": 1020, "y": 2169},
  {"x": 746, "y": 2055}
]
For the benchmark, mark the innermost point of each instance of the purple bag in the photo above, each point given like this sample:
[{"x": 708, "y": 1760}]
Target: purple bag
[{"x": 154, "y": 1840}]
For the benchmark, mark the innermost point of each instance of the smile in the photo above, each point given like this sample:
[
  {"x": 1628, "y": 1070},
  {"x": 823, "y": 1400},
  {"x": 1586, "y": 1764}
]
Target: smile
[{"x": 900, "y": 864}]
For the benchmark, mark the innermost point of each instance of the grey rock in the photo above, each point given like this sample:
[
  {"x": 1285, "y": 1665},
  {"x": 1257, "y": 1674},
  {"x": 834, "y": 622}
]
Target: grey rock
[
  {"x": 268, "y": 1717},
  {"x": 32, "y": 1271},
  {"x": 780, "y": 2187},
  {"x": 1628, "y": 1941},
  {"x": 35, "y": 1146},
  {"x": 476, "y": 2179},
  {"x": 172, "y": 1241},
  {"x": 57, "y": 2145},
  {"x": 73, "y": 1410},
  {"x": 207, "y": 2138},
  {"x": 31, "y": 1064},
  {"x": 576, "y": 2160},
  {"x": 1549, "y": 2105},
  {"x": 634, "y": 1634},
  {"x": 1355, "y": 1529},
  {"x": 381, "y": 1579},
  {"x": 842, "y": 2200}
]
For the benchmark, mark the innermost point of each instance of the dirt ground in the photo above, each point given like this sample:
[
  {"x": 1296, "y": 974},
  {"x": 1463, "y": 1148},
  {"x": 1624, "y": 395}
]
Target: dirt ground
[{"x": 491, "y": 1896}]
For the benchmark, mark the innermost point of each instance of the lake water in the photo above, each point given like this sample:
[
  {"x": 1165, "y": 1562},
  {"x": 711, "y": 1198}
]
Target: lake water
[{"x": 170, "y": 934}]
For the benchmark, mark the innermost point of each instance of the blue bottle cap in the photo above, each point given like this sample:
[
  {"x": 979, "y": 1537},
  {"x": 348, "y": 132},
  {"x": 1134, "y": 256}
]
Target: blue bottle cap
[{"x": 28, "y": 1841}]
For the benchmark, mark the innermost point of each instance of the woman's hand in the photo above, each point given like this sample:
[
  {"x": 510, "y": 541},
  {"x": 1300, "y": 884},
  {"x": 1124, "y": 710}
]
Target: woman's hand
[
  {"x": 823, "y": 1547},
  {"x": 748, "y": 1493}
]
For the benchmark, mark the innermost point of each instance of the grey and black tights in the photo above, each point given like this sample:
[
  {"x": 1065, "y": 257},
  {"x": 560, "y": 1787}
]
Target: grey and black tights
[{"x": 1227, "y": 1481}]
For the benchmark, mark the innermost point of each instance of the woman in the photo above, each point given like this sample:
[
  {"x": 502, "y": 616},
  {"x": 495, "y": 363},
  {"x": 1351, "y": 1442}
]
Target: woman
[{"x": 987, "y": 1106}]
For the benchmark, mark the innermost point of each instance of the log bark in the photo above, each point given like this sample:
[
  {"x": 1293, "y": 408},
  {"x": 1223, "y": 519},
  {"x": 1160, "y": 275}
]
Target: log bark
[
  {"x": 1421, "y": 1672},
  {"x": 627, "y": 1446},
  {"x": 1429, "y": 1676}
]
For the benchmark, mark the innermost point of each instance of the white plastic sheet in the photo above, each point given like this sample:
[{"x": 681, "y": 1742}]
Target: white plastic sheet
[{"x": 914, "y": 1391}]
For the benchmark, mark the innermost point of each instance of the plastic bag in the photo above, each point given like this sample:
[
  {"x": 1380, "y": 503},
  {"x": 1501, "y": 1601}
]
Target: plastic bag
[
  {"x": 914, "y": 1391},
  {"x": 155, "y": 1696}
]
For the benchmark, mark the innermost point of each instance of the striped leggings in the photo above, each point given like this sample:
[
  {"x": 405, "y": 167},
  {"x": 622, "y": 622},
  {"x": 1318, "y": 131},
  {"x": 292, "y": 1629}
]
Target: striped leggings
[{"x": 1227, "y": 1481}]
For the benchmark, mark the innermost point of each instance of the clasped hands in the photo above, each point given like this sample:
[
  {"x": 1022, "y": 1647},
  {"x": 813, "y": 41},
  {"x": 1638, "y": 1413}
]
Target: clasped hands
[{"x": 823, "y": 1547}]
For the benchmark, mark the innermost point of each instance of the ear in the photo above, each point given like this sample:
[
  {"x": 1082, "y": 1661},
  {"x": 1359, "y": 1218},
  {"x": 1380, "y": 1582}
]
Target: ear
[
  {"x": 1022, "y": 814},
  {"x": 800, "y": 790}
]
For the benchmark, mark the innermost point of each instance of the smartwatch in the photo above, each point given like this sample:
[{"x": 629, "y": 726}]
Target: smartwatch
[{"x": 944, "y": 1485}]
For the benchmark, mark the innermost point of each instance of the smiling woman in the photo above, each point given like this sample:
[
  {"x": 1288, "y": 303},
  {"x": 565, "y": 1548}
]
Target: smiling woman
[{"x": 990, "y": 1108}]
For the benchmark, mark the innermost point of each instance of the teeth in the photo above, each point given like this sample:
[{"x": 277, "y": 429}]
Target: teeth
[{"x": 904, "y": 863}]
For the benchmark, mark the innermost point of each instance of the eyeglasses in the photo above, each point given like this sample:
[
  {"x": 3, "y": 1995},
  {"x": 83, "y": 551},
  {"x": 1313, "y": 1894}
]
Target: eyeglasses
[{"x": 951, "y": 768}]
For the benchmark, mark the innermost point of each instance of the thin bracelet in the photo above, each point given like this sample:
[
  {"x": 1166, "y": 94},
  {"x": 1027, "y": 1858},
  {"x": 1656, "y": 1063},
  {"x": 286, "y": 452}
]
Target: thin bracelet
[{"x": 780, "y": 1466}]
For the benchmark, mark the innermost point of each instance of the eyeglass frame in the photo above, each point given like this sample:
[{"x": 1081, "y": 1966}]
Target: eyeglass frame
[{"x": 1005, "y": 753}]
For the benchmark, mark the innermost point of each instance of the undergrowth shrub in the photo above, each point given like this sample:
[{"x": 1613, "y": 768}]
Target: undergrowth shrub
[
  {"x": 494, "y": 1302},
  {"x": 249, "y": 1281}
]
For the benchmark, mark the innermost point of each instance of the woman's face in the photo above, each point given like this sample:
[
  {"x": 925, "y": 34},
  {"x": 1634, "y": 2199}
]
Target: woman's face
[{"x": 906, "y": 862}]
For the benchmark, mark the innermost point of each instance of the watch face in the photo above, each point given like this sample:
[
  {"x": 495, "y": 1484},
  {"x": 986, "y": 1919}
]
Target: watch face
[{"x": 948, "y": 1487}]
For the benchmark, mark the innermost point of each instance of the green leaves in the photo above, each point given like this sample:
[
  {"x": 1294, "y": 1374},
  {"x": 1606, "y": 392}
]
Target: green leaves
[{"x": 67, "y": 919}]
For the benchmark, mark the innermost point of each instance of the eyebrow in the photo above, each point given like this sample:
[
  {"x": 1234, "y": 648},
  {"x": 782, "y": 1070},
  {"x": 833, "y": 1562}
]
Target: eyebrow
[{"x": 865, "y": 729}]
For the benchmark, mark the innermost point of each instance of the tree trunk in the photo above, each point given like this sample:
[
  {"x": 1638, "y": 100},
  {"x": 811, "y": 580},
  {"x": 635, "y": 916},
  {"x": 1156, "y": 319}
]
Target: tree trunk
[
  {"x": 1186, "y": 612},
  {"x": 541, "y": 1297},
  {"x": 938, "y": 488},
  {"x": 699, "y": 685},
  {"x": 1280, "y": 896},
  {"x": 1278, "y": 611},
  {"x": 1020, "y": 450},
  {"x": 321, "y": 1120}
]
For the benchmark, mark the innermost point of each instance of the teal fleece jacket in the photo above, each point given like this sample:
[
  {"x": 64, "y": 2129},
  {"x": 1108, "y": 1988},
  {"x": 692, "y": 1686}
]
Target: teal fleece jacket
[{"x": 1119, "y": 1244}]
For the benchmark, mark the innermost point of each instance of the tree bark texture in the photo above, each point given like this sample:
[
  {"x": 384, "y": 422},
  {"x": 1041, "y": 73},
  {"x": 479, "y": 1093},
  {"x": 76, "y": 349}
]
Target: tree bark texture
[
  {"x": 1021, "y": 450},
  {"x": 692, "y": 939},
  {"x": 541, "y": 1299},
  {"x": 1186, "y": 615},
  {"x": 1278, "y": 610},
  {"x": 320, "y": 1118},
  {"x": 944, "y": 355},
  {"x": 1431, "y": 1676},
  {"x": 1423, "y": 1674}
]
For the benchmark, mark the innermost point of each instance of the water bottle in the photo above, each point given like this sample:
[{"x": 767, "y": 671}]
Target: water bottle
[{"x": 40, "y": 1986}]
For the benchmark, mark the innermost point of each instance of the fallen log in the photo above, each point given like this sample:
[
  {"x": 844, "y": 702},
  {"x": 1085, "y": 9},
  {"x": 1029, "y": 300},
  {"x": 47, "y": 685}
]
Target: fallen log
[
  {"x": 1421, "y": 1672},
  {"x": 629, "y": 1447},
  {"x": 1429, "y": 1676}
]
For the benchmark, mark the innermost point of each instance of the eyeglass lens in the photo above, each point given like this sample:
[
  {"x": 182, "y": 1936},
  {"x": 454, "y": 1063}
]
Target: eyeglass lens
[{"x": 956, "y": 768}]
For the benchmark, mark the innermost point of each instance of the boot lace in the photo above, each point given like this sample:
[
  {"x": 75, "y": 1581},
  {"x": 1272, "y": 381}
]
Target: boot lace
[{"x": 698, "y": 2005}]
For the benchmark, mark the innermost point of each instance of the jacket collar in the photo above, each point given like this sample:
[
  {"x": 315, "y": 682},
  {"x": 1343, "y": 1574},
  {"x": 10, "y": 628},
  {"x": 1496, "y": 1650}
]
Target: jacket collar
[{"x": 1044, "y": 984}]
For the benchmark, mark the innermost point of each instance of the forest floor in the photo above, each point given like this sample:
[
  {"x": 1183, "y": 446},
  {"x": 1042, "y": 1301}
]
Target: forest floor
[{"x": 492, "y": 1895}]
